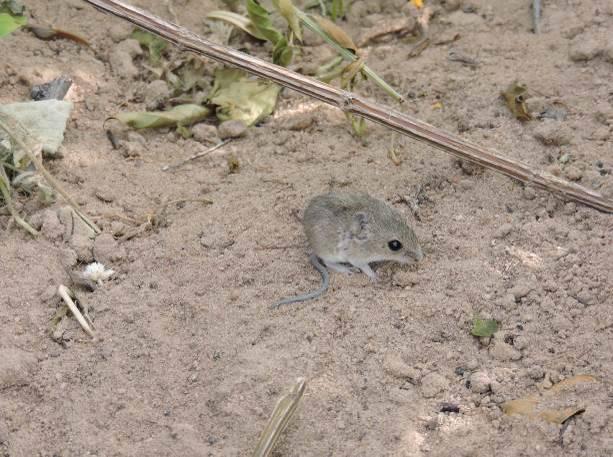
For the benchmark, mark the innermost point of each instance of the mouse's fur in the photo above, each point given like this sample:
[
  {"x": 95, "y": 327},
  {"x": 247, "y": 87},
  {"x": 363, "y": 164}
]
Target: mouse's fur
[{"x": 355, "y": 229}]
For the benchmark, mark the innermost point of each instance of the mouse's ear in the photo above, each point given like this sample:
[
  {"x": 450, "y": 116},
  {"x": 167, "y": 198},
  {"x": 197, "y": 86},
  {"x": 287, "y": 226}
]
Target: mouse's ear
[{"x": 359, "y": 226}]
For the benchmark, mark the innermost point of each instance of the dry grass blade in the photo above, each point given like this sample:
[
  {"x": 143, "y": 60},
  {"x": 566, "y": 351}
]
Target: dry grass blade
[
  {"x": 351, "y": 103},
  {"x": 66, "y": 294},
  {"x": 281, "y": 415}
]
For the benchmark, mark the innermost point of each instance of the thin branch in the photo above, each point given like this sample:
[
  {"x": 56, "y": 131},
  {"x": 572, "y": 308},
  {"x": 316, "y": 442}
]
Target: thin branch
[{"x": 351, "y": 103}]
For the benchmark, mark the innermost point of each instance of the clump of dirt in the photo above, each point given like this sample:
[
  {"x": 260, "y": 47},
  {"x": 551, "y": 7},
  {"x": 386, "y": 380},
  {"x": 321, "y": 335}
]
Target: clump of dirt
[{"x": 191, "y": 360}]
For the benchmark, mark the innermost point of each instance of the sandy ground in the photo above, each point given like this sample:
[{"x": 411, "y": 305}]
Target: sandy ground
[{"x": 191, "y": 360}]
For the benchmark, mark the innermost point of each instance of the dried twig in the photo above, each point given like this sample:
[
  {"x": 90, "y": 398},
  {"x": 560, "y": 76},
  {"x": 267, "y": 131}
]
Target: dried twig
[
  {"x": 196, "y": 156},
  {"x": 353, "y": 104},
  {"x": 65, "y": 293}
]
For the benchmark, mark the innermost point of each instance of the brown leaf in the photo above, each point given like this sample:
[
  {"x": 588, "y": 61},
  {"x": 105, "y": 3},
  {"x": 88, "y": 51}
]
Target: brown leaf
[
  {"x": 336, "y": 33},
  {"x": 49, "y": 33}
]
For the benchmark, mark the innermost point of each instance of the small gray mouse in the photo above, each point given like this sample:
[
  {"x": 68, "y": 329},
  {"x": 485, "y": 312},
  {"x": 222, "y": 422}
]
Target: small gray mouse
[{"x": 354, "y": 229}]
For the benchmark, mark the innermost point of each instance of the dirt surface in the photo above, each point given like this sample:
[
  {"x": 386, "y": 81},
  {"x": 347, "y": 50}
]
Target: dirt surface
[{"x": 191, "y": 360}]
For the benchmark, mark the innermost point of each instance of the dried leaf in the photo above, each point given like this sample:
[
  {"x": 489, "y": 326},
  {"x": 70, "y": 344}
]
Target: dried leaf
[
  {"x": 417, "y": 3},
  {"x": 515, "y": 96},
  {"x": 237, "y": 20},
  {"x": 49, "y": 33},
  {"x": 484, "y": 327},
  {"x": 238, "y": 96},
  {"x": 336, "y": 33},
  {"x": 529, "y": 406},
  {"x": 350, "y": 72},
  {"x": 287, "y": 10},
  {"x": 179, "y": 115},
  {"x": 154, "y": 44}
]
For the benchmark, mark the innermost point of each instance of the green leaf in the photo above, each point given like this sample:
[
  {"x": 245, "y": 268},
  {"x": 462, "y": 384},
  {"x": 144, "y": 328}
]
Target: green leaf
[
  {"x": 260, "y": 18},
  {"x": 180, "y": 115},
  {"x": 9, "y": 22},
  {"x": 282, "y": 53},
  {"x": 287, "y": 10},
  {"x": 237, "y": 20},
  {"x": 153, "y": 43},
  {"x": 239, "y": 97},
  {"x": 337, "y": 9},
  {"x": 484, "y": 327}
]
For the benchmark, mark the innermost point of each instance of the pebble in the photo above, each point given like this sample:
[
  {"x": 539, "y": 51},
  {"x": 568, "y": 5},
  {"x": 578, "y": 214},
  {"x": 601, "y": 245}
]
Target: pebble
[
  {"x": 68, "y": 258},
  {"x": 51, "y": 227},
  {"x": 601, "y": 134},
  {"x": 405, "y": 279},
  {"x": 519, "y": 291},
  {"x": 16, "y": 367},
  {"x": 104, "y": 195},
  {"x": 585, "y": 297},
  {"x": 205, "y": 133},
  {"x": 480, "y": 382},
  {"x": 121, "y": 57},
  {"x": 107, "y": 250},
  {"x": 503, "y": 351},
  {"x": 433, "y": 384},
  {"x": 553, "y": 133},
  {"x": 156, "y": 94},
  {"x": 584, "y": 47},
  {"x": 119, "y": 31},
  {"x": 573, "y": 173},
  {"x": 396, "y": 367},
  {"x": 300, "y": 121},
  {"x": 231, "y": 129}
]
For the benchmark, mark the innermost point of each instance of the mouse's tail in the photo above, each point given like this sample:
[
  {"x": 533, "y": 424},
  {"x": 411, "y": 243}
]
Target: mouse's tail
[{"x": 325, "y": 281}]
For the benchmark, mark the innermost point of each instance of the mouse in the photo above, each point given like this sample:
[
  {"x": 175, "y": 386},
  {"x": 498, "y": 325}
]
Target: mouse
[{"x": 349, "y": 231}]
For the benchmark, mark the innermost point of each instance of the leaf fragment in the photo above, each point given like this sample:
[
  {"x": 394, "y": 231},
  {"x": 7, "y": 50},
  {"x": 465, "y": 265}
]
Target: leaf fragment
[
  {"x": 484, "y": 327},
  {"x": 49, "y": 33},
  {"x": 154, "y": 44},
  {"x": 237, "y": 96},
  {"x": 180, "y": 115},
  {"x": 336, "y": 33},
  {"x": 515, "y": 98},
  {"x": 238, "y": 21},
  {"x": 287, "y": 10}
]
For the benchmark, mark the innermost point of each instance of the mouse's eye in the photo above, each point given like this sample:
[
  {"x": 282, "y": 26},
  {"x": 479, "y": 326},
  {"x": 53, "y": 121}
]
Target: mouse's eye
[{"x": 395, "y": 245}]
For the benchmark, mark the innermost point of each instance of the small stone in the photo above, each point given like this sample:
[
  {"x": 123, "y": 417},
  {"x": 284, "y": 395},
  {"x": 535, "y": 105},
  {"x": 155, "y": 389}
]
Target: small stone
[
  {"x": 205, "y": 133},
  {"x": 156, "y": 93},
  {"x": 300, "y": 121},
  {"x": 585, "y": 297},
  {"x": 480, "y": 382},
  {"x": 136, "y": 137},
  {"x": 553, "y": 133},
  {"x": 104, "y": 195},
  {"x": 519, "y": 291},
  {"x": 504, "y": 230},
  {"x": 396, "y": 367},
  {"x": 403, "y": 278},
  {"x": 584, "y": 47},
  {"x": 131, "y": 149},
  {"x": 573, "y": 173},
  {"x": 107, "y": 250},
  {"x": 536, "y": 372},
  {"x": 118, "y": 228},
  {"x": 51, "y": 227},
  {"x": 119, "y": 31},
  {"x": 16, "y": 368},
  {"x": 82, "y": 245},
  {"x": 68, "y": 258},
  {"x": 451, "y": 5},
  {"x": 529, "y": 193},
  {"x": 433, "y": 384},
  {"x": 231, "y": 129},
  {"x": 508, "y": 301},
  {"x": 121, "y": 59},
  {"x": 503, "y": 351}
]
